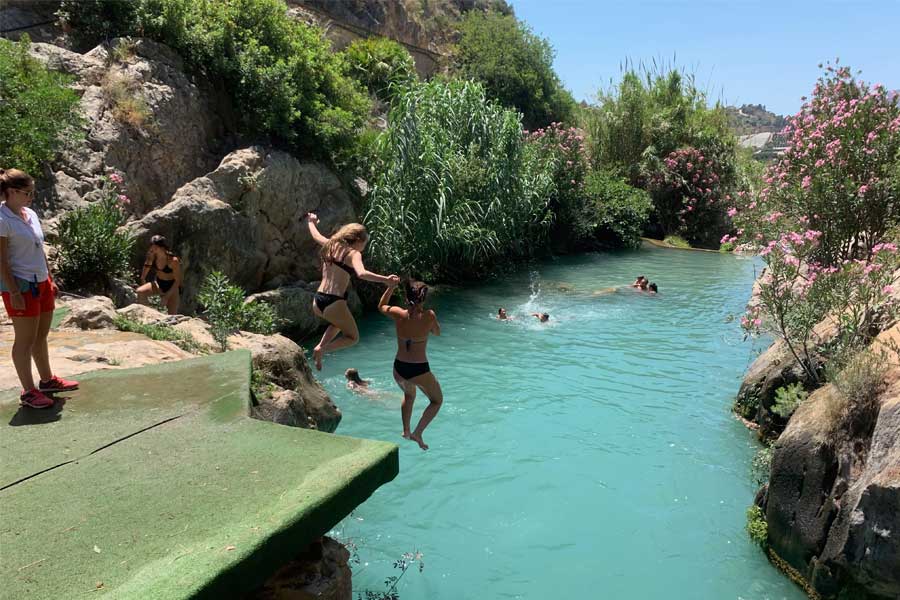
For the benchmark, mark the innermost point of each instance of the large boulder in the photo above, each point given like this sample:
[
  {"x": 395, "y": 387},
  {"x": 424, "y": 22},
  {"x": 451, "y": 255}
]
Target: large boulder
[
  {"x": 322, "y": 572},
  {"x": 833, "y": 502},
  {"x": 246, "y": 220},
  {"x": 284, "y": 364},
  {"x": 96, "y": 312},
  {"x": 143, "y": 117},
  {"x": 293, "y": 305}
]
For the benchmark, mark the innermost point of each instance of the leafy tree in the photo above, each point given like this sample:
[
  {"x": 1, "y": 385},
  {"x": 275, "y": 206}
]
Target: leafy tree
[
  {"x": 515, "y": 66},
  {"x": 380, "y": 64},
  {"x": 37, "y": 109}
]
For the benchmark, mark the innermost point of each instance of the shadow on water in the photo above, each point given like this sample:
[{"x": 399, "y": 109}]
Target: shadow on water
[{"x": 38, "y": 416}]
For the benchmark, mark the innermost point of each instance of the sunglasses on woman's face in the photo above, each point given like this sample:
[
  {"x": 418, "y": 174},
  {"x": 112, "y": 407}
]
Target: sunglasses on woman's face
[{"x": 28, "y": 193}]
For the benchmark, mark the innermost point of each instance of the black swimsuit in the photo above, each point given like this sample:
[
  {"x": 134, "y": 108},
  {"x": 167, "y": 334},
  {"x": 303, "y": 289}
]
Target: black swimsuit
[
  {"x": 164, "y": 284},
  {"x": 324, "y": 300},
  {"x": 408, "y": 370}
]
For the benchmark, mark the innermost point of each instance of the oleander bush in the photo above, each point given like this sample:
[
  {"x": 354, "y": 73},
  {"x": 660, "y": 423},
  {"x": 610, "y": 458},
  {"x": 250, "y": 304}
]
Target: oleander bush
[
  {"x": 91, "y": 246},
  {"x": 228, "y": 313},
  {"x": 38, "y": 111}
]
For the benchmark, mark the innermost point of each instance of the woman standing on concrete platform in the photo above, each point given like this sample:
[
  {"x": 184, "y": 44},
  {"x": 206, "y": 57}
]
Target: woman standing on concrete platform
[{"x": 28, "y": 290}]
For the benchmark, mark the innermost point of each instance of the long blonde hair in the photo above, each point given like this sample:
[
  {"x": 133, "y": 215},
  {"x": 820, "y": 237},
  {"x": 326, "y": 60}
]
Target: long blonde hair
[{"x": 339, "y": 244}]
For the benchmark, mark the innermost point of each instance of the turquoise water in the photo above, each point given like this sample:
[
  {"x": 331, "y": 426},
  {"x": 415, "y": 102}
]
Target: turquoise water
[{"x": 592, "y": 457}]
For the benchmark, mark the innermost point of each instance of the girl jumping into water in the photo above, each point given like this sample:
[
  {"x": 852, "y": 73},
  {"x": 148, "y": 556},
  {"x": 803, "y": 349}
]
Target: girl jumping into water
[
  {"x": 341, "y": 258},
  {"x": 411, "y": 369}
]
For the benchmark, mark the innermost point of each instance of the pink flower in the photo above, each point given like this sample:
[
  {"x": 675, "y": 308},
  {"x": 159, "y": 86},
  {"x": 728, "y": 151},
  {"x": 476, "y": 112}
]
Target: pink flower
[
  {"x": 115, "y": 178},
  {"x": 807, "y": 181},
  {"x": 863, "y": 189},
  {"x": 757, "y": 322},
  {"x": 888, "y": 289},
  {"x": 732, "y": 212},
  {"x": 123, "y": 199}
]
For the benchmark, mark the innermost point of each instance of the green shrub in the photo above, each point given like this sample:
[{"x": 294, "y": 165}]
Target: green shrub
[
  {"x": 94, "y": 21},
  {"x": 283, "y": 79},
  {"x": 459, "y": 190},
  {"x": 677, "y": 241},
  {"x": 92, "y": 249},
  {"x": 515, "y": 66},
  {"x": 620, "y": 210},
  {"x": 162, "y": 333},
  {"x": 380, "y": 64},
  {"x": 757, "y": 526},
  {"x": 38, "y": 112},
  {"x": 859, "y": 380},
  {"x": 787, "y": 399},
  {"x": 560, "y": 150},
  {"x": 227, "y": 312}
]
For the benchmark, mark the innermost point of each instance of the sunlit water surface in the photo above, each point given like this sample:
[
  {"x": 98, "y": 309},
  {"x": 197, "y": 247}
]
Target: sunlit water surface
[{"x": 591, "y": 457}]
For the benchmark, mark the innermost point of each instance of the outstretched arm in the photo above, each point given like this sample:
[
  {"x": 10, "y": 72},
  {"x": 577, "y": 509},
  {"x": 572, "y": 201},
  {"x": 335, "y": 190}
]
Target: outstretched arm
[
  {"x": 361, "y": 272},
  {"x": 394, "y": 312},
  {"x": 311, "y": 221}
]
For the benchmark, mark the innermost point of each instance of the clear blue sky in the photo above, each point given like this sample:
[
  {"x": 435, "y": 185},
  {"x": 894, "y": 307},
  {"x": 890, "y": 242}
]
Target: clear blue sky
[{"x": 742, "y": 51}]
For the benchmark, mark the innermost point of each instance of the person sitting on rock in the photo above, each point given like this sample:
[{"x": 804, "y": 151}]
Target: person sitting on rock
[
  {"x": 161, "y": 275},
  {"x": 28, "y": 290},
  {"x": 341, "y": 259}
]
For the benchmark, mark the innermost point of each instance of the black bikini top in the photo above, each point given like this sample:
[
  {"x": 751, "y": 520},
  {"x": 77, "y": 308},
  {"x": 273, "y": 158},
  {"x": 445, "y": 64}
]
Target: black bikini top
[{"x": 340, "y": 264}]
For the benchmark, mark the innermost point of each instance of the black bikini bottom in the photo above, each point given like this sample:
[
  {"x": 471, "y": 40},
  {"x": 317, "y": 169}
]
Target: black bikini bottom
[
  {"x": 408, "y": 370},
  {"x": 165, "y": 284},
  {"x": 324, "y": 300}
]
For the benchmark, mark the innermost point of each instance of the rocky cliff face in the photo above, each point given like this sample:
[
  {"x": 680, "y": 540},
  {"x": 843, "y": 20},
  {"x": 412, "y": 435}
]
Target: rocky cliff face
[
  {"x": 833, "y": 499},
  {"x": 142, "y": 116}
]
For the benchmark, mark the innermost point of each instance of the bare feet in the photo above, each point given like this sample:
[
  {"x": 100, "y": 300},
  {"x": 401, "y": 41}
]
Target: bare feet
[
  {"x": 417, "y": 438},
  {"x": 317, "y": 356},
  {"x": 405, "y": 435}
]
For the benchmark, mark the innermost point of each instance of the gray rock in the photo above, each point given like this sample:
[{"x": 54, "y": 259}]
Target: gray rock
[
  {"x": 246, "y": 220},
  {"x": 322, "y": 571},
  {"x": 833, "y": 502},
  {"x": 171, "y": 140},
  {"x": 121, "y": 292},
  {"x": 142, "y": 314},
  {"x": 293, "y": 304},
  {"x": 284, "y": 364},
  {"x": 96, "y": 312},
  {"x": 285, "y": 407}
]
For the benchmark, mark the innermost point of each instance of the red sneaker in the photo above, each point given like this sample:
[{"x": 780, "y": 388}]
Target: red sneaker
[
  {"x": 35, "y": 399},
  {"x": 57, "y": 384}
]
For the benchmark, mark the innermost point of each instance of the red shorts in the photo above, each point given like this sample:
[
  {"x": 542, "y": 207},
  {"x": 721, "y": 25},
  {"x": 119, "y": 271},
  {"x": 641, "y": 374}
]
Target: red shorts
[{"x": 44, "y": 302}]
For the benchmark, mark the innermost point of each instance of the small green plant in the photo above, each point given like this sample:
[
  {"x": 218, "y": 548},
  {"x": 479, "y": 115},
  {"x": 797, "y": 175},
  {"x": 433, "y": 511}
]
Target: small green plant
[
  {"x": 123, "y": 51},
  {"x": 403, "y": 564},
  {"x": 727, "y": 247},
  {"x": 162, "y": 333},
  {"x": 38, "y": 111},
  {"x": 787, "y": 399},
  {"x": 757, "y": 526},
  {"x": 676, "y": 242},
  {"x": 228, "y": 313},
  {"x": 859, "y": 383},
  {"x": 91, "y": 246},
  {"x": 761, "y": 465}
]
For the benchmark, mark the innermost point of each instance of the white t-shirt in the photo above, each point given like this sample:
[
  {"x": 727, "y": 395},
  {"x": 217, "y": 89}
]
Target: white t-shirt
[{"x": 25, "y": 244}]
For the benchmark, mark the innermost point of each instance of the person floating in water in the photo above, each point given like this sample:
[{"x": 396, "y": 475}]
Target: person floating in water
[
  {"x": 641, "y": 280},
  {"x": 542, "y": 317},
  {"x": 355, "y": 382},
  {"x": 653, "y": 288},
  {"x": 501, "y": 314},
  {"x": 411, "y": 369},
  {"x": 341, "y": 258}
]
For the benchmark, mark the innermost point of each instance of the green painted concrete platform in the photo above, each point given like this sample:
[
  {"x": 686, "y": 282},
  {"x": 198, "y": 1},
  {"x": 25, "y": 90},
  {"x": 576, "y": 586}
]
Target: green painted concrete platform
[{"x": 154, "y": 483}]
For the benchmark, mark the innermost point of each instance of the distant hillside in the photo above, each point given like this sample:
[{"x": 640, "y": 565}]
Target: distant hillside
[{"x": 754, "y": 118}]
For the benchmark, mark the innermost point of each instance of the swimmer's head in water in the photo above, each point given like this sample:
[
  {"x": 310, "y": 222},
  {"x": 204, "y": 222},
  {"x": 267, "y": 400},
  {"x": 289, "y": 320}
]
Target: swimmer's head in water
[
  {"x": 644, "y": 283},
  {"x": 641, "y": 278},
  {"x": 501, "y": 314},
  {"x": 353, "y": 375},
  {"x": 416, "y": 292},
  {"x": 653, "y": 288},
  {"x": 544, "y": 317}
]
